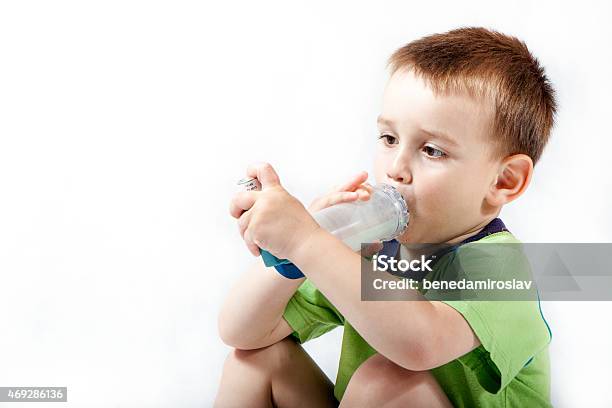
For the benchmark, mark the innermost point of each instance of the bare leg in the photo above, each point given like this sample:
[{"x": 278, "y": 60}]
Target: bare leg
[
  {"x": 280, "y": 375},
  {"x": 379, "y": 382}
]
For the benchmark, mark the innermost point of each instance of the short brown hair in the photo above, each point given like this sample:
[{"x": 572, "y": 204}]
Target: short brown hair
[{"x": 486, "y": 63}]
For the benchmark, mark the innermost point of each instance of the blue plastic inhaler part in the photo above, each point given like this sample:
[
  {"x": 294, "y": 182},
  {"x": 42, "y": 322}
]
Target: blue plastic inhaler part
[
  {"x": 271, "y": 260},
  {"x": 282, "y": 266}
]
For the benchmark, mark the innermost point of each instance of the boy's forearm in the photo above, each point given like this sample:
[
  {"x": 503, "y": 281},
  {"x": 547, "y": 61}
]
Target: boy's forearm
[
  {"x": 395, "y": 329},
  {"x": 254, "y": 305}
]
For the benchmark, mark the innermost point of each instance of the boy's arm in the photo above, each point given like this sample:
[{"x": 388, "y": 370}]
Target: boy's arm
[
  {"x": 417, "y": 335},
  {"x": 252, "y": 314}
]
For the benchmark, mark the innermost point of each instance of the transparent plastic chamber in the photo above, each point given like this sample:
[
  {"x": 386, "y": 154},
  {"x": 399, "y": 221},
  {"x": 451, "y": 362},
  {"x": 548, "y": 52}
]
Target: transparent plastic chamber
[{"x": 383, "y": 217}]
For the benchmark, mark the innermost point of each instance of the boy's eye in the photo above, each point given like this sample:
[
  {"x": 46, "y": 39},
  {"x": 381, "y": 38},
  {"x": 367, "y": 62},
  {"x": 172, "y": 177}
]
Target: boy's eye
[
  {"x": 388, "y": 139},
  {"x": 433, "y": 152}
]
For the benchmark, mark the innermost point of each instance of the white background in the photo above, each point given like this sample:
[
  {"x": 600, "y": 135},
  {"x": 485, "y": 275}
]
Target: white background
[{"x": 124, "y": 126}]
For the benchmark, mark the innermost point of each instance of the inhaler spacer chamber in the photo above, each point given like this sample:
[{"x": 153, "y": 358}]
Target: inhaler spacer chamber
[{"x": 383, "y": 217}]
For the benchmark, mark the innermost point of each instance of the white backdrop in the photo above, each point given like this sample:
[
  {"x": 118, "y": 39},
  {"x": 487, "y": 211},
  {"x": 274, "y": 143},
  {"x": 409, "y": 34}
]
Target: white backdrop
[{"x": 124, "y": 126}]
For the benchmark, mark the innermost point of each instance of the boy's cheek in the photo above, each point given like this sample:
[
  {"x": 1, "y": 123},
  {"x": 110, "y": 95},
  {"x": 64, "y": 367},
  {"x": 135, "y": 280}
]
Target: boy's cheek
[{"x": 428, "y": 206}]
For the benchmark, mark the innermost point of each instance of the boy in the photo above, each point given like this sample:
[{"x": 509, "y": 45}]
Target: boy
[{"x": 466, "y": 115}]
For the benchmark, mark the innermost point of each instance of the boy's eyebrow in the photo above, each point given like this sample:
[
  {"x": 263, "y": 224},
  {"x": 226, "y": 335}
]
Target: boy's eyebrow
[
  {"x": 441, "y": 135},
  {"x": 383, "y": 121},
  {"x": 431, "y": 132}
]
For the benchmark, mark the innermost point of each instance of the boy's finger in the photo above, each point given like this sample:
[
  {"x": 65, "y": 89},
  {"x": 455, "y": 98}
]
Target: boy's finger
[
  {"x": 355, "y": 182},
  {"x": 241, "y": 202},
  {"x": 363, "y": 194},
  {"x": 265, "y": 173},
  {"x": 343, "y": 197},
  {"x": 368, "y": 187},
  {"x": 243, "y": 222},
  {"x": 254, "y": 249},
  {"x": 349, "y": 185}
]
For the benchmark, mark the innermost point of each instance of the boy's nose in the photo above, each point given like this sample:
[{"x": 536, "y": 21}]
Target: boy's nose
[
  {"x": 400, "y": 173},
  {"x": 403, "y": 179}
]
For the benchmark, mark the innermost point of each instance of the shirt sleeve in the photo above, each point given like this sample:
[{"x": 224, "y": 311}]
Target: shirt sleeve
[
  {"x": 310, "y": 314},
  {"x": 511, "y": 332}
]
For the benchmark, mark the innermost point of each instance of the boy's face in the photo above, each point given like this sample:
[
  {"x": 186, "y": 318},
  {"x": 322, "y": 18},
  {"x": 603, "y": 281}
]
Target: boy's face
[{"x": 444, "y": 181}]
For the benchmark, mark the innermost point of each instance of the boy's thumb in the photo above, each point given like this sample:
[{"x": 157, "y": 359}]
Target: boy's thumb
[{"x": 265, "y": 173}]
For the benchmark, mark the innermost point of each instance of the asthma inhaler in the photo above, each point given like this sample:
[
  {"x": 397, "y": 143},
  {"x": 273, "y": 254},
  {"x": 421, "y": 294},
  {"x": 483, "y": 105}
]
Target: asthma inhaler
[{"x": 383, "y": 217}]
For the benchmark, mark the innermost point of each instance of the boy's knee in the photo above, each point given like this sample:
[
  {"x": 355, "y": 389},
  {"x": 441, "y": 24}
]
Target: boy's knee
[
  {"x": 270, "y": 358},
  {"x": 378, "y": 378}
]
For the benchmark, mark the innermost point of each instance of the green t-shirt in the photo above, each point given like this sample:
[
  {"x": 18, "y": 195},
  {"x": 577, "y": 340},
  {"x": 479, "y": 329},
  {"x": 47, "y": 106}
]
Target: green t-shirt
[{"x": 511, "y": 366}]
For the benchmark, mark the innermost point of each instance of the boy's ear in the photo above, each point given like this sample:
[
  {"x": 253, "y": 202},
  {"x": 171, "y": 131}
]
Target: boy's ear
[{"x": 512, "y": 179}]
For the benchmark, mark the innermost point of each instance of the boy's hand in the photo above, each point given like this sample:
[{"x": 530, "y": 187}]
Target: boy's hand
[
  {"x": 354, "y": 189},
  {"x": 271, "y": 219}
]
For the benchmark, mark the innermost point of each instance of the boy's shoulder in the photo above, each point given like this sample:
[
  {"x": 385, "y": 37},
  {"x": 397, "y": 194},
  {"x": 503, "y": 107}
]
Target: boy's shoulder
[
  {"x": 494, "y": 244},
  {"x": 497, "y": 247},
  {"x": 500, "y": 246}
]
